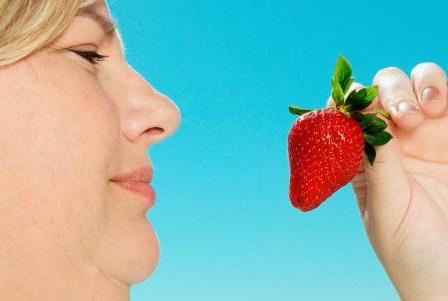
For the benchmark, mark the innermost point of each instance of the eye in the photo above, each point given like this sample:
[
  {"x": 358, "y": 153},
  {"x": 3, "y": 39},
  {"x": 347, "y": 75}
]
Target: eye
[{"x": 91, "y": 56}]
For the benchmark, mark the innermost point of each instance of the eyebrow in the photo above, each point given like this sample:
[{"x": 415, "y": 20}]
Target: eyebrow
[{"x": 108, "y": 25}]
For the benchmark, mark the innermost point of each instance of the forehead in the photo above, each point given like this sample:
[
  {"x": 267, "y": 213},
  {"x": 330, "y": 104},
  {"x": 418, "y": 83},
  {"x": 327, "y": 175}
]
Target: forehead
[
  {"x": 106, "y": 23},
  {"x": 99, "y": 12}
]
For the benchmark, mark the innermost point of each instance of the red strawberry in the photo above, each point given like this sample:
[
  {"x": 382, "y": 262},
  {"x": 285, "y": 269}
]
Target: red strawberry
[{"x": 326, "y": 146}]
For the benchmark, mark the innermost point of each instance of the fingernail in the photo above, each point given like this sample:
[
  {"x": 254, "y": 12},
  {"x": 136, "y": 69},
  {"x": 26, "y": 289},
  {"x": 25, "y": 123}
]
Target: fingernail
[
  {"x": 403, "y": 108},
  {"x": 430, "y": 95}
]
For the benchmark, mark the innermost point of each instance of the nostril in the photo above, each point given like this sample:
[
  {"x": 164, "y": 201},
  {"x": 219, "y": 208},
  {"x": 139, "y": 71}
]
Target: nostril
[{"x": 154, "y": 131}]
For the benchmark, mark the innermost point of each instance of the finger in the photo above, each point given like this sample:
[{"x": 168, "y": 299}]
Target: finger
[
  {"x": 359, "y": 186},
  {"x": 430, "y": 87},
  {"x": 381, "y": 200},
  {"x": 397, "y": 97}
]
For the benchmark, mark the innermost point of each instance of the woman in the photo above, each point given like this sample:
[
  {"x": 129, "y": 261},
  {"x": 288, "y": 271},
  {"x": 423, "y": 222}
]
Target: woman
[
  {"x": 72, "y": 122},
  {"x": 76, "y": 118}
]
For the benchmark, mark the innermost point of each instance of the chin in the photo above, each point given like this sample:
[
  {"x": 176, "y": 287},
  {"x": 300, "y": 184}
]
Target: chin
[
  {"x": 132, "y": 254},
  {"x": 143, "y": 255}
]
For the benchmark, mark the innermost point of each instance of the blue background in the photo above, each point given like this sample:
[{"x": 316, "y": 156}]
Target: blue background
[{"x": 226, "y": 228}]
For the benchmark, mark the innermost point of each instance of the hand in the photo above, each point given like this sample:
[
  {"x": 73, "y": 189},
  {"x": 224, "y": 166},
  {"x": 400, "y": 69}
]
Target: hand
[{"x": 403, "y": 198}]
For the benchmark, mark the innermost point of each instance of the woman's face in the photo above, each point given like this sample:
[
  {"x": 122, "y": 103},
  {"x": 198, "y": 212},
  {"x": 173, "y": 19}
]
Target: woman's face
[{"x": 68, "y": 128}]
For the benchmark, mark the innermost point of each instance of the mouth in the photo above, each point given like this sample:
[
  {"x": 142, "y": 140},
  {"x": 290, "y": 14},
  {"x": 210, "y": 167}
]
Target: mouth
[
  {"x": 143, "y": 174},
  {"x": 137, "y": 182},
  {"x": 139, "y": 188}
]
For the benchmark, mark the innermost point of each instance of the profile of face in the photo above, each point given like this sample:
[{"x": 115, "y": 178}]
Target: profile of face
[{"x": 68, "y": 127}]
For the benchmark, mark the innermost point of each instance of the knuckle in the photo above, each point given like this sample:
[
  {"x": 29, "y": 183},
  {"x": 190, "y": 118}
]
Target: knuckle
[
  {"x": 387, "y": 72},
  {"x": 426, "y": 69},
  {"x": 391, "y": 76}
]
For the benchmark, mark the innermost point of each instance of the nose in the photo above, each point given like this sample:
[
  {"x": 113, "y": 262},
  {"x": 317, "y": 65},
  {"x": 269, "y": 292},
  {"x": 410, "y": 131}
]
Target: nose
[{"x": 150, "y": 115}]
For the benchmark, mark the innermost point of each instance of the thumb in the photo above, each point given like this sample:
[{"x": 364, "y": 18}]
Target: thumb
[
  {"x": 388, "y": 187},
  {"x": 383, "y": 189},
  {"x": 388, "y": 183}
]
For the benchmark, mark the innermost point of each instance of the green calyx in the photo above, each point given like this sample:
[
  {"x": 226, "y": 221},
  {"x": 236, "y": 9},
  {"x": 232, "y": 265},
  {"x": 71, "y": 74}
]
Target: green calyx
[{"x": 373, "y": 127}]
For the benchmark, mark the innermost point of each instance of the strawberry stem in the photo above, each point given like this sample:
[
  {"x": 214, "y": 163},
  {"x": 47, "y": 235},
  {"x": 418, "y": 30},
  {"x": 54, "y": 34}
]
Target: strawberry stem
[
  {"x": 345, "y": 109},
  {"x": 383, "y": 113}
]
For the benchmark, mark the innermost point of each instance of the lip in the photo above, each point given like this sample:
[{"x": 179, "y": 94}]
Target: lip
[
  {"x": 140, "y": 188},
  {"x": 143, "y": 174},
  {"x": 137, "y": 181}
]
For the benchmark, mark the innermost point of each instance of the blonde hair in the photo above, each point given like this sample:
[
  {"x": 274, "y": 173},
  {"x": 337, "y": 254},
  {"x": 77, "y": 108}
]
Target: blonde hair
[{"x": 26, "y": 26}]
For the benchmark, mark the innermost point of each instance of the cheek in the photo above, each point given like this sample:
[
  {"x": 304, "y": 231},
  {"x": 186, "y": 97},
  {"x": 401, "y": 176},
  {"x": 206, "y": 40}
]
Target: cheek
[
  {"x": 59, "y": 131},
  {"x": 59, "y": 143}
]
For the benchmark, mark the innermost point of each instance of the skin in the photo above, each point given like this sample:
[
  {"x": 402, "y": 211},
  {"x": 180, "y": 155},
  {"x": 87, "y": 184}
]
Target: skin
[
  {"x": 403, "y": 197},
  {"x": 69, "y": 127}
]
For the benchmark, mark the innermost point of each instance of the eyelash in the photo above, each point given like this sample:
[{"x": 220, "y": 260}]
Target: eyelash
[{"x": 91, "y": 56}]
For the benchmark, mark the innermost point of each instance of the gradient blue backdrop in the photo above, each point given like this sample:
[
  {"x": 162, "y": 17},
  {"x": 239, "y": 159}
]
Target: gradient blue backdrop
[{"x": 223, "y": 217}]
